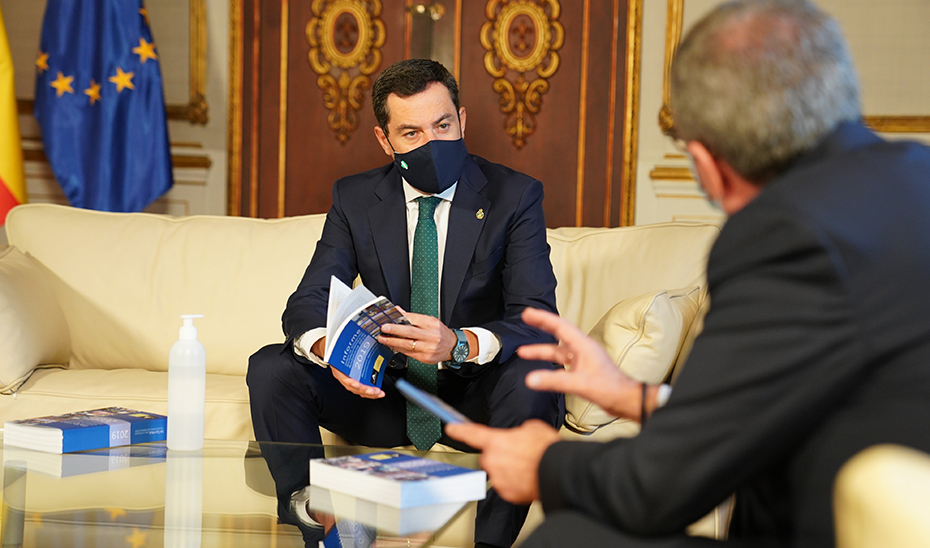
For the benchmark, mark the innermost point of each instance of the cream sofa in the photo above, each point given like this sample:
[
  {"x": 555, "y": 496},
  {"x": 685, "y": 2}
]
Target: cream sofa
[{"x": 90, "y": 305}]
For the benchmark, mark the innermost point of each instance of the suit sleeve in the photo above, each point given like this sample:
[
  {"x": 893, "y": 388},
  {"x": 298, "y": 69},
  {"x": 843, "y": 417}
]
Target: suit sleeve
[
  {"x": 779, "y": 350},
  {"x": 334, "y": 256},
  {"x": 527, "y": 277}
]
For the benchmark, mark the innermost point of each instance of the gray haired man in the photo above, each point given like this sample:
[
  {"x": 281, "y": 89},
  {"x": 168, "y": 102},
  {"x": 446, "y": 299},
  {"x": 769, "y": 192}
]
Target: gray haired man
[{"x": 816, "y": 345}]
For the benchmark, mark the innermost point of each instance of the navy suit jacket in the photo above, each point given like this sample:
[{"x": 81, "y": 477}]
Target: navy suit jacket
[
  {"x": 816, "y": 345},
  {"x": 495, "y": 263}
]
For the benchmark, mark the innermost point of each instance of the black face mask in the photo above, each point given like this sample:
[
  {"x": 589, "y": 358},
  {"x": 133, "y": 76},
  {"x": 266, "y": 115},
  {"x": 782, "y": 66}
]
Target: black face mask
[{"x": 433, "y": 167}]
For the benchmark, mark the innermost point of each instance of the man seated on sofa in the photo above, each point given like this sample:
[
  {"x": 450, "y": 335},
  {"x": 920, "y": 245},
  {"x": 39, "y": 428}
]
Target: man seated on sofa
[
  {"x": 817, "y": 343},
  {"x": 456, "y": 240}
]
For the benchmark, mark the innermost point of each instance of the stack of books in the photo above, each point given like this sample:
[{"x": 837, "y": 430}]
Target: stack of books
[
  {"x": 398, "y": 480},
  {"x": 85, "y": 430}
]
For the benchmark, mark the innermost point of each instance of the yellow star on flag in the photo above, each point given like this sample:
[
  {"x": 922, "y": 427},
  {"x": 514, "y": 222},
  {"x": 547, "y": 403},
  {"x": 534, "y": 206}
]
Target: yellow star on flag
[
  {"x": 63, "y": 84},
  {"x": 145, "y": 14},
  {"x": 93, "y": 91},
  {"x": 122, "y": 80},
  {"x": 146, "y": 50},
  {"x": 137, "y": 539},
  {"x": 42, "y": 62}
]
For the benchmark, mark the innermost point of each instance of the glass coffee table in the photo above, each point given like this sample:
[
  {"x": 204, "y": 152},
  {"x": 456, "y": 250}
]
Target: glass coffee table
[{"x": 144, "y": 496}]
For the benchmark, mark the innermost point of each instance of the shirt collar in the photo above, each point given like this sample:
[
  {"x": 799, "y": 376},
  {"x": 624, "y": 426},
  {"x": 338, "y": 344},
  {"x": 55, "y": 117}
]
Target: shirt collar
[{"x": 411, "y": 194}]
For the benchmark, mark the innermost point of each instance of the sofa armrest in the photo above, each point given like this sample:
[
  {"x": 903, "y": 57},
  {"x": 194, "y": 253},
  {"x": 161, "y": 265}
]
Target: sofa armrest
[{"x": 33, "y": 331}]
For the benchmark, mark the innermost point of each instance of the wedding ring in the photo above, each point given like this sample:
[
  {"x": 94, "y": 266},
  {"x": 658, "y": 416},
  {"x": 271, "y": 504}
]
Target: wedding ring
[{"x": 413, "y": 346}]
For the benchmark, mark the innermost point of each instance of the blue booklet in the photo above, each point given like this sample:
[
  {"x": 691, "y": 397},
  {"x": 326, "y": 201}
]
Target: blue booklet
[
  {"x": 397, "y": 479},
  {"x": 83, "y": 430},
  {"x": 353, "y": 322}
]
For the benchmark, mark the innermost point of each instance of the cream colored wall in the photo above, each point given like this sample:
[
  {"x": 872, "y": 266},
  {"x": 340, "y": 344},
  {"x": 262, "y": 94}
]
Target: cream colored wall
[
  {"x": 197, "y": 190},
  {"x": 891, "y": 48}
]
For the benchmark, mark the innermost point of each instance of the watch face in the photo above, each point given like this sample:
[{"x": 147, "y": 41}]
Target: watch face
[{"x": 460, "y": 352}]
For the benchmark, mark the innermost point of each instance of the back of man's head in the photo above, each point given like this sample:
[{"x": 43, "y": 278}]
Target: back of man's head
[
  {"x": 406, "y": 78},
  {"x": 759, "y": 82}
]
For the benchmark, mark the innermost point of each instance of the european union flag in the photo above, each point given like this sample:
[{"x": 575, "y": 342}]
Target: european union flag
[{"x": 100, "y": 103}]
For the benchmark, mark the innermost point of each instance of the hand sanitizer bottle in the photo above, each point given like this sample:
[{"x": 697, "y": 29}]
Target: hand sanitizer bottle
[{"x": 187, "y": 379}]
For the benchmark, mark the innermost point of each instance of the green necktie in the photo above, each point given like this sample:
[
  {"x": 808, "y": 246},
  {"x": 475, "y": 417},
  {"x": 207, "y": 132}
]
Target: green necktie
[{"x": 424, "y": 429}]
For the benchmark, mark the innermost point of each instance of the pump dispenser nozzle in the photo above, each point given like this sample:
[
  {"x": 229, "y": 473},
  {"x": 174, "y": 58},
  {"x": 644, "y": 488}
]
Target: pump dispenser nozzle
[{"x": 188, "y": 332}]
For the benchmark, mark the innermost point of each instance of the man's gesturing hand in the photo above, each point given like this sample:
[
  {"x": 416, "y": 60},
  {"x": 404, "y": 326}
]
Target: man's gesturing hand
[
  {"x": 427, "y": 340},
  {"x": 511, "y": 457},
  {"x": 589, "y": 372}
]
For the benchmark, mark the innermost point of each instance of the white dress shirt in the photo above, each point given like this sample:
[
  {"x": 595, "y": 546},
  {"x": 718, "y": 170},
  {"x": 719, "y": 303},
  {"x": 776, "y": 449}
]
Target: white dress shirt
[{"x": 489, "y": 345}]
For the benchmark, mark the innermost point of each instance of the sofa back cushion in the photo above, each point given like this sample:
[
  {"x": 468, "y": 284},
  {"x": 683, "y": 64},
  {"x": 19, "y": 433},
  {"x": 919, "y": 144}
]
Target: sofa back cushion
[
  {"x": 122, "y": 281},
  {"x": 597, "y": 268}
]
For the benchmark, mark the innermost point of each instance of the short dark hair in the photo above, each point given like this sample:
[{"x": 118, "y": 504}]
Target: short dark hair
[{"x": 406, "y": 78}]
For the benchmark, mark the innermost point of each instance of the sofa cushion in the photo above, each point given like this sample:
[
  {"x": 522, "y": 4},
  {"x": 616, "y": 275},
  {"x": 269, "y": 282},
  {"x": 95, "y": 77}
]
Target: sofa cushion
[
  {"x": 643, "y": 336},
  {"x": 599, "y": 267},
  {"x": 123, "y": 280},
  {"x": 33, "y": 331}
]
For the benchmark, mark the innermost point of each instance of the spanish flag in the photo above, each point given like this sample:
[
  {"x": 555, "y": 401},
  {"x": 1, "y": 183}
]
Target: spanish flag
[{"x": 12, "y": 177}]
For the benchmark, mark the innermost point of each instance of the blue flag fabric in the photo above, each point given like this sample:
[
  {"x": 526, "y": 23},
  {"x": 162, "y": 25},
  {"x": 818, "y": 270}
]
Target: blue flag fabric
[{"x": 100, "y": 104}]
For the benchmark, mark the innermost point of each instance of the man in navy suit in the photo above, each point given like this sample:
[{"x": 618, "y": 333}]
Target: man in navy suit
[
  {"x": 817, "y": 343},
  {"x": 492, "y": 261}
]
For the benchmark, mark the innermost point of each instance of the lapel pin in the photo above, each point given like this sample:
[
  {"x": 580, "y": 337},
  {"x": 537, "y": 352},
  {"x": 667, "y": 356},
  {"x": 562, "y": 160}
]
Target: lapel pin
[{"x": 479, "y": 214}]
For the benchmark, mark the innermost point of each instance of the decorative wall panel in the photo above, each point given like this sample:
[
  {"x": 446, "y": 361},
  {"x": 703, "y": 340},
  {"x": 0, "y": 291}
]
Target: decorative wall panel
[
  {"x": 345, "y": 38},
  {"x": 522, "y": 39}
]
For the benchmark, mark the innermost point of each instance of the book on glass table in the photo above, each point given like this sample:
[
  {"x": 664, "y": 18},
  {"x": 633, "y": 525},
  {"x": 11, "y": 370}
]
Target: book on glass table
[
  {"x": 353, "y": 322},
  {"x": 64, "y": 465},
  {"x": 386, "y": 519},
  {"x": 84, "y": 430},
  {"x": 398, "y": 480}
]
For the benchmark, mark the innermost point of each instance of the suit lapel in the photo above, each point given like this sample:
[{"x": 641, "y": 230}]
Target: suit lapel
[
  {"x": 462, "y": 235},
  {"x": 388, "y": 224}
]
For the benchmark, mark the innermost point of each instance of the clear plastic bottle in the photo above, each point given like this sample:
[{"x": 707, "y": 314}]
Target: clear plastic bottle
[{"x": 187, "y": 378}]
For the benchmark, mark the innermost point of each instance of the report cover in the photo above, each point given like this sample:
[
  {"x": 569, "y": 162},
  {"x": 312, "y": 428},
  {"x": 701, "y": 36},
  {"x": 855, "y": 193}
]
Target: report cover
[
  {"x": 398, "y": 480},
  {"x": 353, "y": 322},
  {"x": 83, "y": 430}
]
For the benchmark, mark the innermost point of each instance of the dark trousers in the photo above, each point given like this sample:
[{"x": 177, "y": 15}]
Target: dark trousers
[{"x": 292, "y": 398}]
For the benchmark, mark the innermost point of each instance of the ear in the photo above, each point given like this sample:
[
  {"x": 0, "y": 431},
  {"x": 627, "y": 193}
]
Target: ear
[
  {"x": 708, "y": 172},
  {"x": 722, "y": 183},
  {"x": 462, "y": 120},
  {"x": 383, "y": 141}
]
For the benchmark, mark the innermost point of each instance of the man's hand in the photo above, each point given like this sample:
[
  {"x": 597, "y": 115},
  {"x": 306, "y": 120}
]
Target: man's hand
[
  {"x": 357, "y": 388},
  {"x": 348, "y": 382},
  {"x": 589, "y": 372},
  {"x": 428, "y": 340},
  {"x": 511, "y": 457},
  {"x": 319, "y": 347}
]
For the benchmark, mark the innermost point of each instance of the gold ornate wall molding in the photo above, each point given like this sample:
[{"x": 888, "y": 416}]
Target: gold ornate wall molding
[
  {"x": 195, "y": 111},
  {"x": 673, "y": 32},
  {"x": 522, "y": 38},
  {"x": 674, "y": 20},
  {"x": 345, "y": 37},
  {"x": 898, "y": 124}
]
